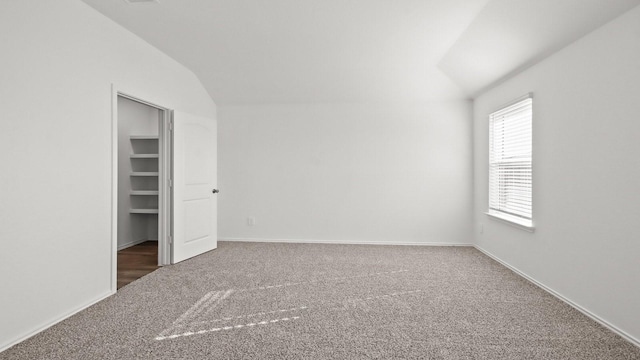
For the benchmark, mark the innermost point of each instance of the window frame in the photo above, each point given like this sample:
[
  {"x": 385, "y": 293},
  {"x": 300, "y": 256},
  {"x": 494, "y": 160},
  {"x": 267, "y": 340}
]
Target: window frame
[{"x": 520, "y": 222}]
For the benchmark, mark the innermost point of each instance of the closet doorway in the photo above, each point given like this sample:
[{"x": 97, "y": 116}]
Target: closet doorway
[
  {"x": 143, "y": 192},
  {"x": 164, "y": 186}
]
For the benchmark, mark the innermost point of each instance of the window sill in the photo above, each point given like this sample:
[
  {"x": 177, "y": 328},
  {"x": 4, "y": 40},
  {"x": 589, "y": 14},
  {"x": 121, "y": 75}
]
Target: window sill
[{"x": 516, "y": 222}]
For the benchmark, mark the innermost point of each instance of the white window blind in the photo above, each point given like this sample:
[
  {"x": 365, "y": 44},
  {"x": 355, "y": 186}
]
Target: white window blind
[{"x": 510, "y": 160}]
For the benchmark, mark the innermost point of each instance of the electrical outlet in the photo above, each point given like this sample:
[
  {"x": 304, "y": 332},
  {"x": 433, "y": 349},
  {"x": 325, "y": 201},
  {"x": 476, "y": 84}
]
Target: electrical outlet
[
  {"x": 251, "y": 221},
  {"x": 481, "y": 228}
]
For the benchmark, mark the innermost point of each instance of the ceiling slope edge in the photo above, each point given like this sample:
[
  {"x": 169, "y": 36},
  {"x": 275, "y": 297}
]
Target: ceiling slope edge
[{"x": 508, "y": 37}]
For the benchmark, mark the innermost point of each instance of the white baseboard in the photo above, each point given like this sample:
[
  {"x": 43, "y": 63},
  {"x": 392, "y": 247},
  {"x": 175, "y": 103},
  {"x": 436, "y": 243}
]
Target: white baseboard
[
  {"x": 50, "y": 323},
  {"x": 344, "y": 242},
  {"x": 586, "y": 312},
  {"x": 133, "y": 243}
]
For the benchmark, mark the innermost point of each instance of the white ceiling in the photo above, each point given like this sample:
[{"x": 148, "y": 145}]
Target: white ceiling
[
  {"x": 315, "y": 51},
  {"x": 510, "y": 35}
]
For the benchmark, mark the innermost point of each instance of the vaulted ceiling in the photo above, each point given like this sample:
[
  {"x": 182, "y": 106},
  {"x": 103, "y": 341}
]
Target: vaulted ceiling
[
  {"x": 510, "y": 35},
  {"x": 315, "y": 51}
]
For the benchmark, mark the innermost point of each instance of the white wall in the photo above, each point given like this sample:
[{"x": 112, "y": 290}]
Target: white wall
[
  {"x": 586, "y": 170},
  {"x": 58, "y": 61},
  {"x": 134, "y": 118},
  {"x": 346, "y": 172}
]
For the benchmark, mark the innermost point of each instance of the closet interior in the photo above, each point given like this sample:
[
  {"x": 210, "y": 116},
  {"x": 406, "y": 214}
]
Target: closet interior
[{"x": 138, "y": 189}]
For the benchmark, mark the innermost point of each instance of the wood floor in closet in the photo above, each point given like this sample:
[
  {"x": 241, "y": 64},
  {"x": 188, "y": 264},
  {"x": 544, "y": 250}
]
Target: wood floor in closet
[{"x": 137, "y": 261}]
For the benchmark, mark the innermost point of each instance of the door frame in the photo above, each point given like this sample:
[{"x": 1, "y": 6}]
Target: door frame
[{"x": 164, "y": 178}]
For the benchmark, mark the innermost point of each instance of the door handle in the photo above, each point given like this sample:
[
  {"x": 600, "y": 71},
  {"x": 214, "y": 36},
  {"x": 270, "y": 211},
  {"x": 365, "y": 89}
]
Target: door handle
[{"x": 215, "y": 191}]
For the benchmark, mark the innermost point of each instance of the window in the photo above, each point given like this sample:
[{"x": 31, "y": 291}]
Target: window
[{"x": 510, "y": 155}]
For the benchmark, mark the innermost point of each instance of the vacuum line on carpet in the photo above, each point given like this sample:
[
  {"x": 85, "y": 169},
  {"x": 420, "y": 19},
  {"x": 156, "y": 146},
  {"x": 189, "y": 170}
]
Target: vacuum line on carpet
[
  {"x": 197, "y": 307},
  {"x": 165, "y": 336},
  {"x": 239, "y": 326},
  {"x": 200, "y": 308},
  {"x": 251, "y": 315},
  {"x": 301, "y": 308}
]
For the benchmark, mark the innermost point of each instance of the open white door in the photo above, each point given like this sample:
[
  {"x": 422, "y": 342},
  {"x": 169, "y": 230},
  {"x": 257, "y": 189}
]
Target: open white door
[{"x": 194, "y": 186}]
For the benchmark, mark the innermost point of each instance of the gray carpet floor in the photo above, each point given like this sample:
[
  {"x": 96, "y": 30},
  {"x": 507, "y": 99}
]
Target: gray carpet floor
[{"x": 315, "y": 301}]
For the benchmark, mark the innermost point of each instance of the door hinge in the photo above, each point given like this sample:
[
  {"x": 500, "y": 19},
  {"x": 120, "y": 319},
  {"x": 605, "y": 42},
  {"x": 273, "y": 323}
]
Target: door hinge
[
  {"x": 171, "y": 125},
  {"x": 170, "y": 239},
  {"x": 170, "y": 183}
]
